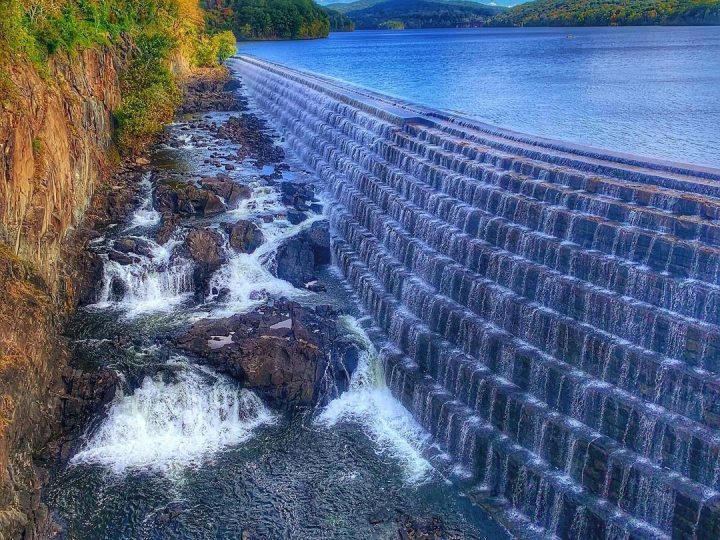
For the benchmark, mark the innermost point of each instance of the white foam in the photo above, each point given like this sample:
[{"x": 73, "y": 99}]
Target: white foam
[
  {"x": 146, "y": 215},
  {"x": 384, "y": 420},
  {"x": 247, "y": 275},
  {"x": 164, "y": 426},
  {"x": 156, "y": 283}
]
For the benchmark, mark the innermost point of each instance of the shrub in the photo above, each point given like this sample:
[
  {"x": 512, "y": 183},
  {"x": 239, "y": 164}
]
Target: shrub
[
  {"x": 212, "y": 51},
  {"x": 227, "y": 45},
  {"x": 150, "y": 93}
]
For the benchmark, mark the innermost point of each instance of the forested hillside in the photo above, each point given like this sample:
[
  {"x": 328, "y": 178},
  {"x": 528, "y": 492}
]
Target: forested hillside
[
  {"x": 269, "y": 19},
  {"x": 398, "y": 14},
  {"x": 611, "y": 12}
]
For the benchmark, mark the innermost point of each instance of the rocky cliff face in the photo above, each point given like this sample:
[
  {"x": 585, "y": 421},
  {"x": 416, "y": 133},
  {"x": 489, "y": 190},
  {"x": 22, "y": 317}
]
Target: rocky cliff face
[
  {"x": 55, "y": 153},
  {"x": 55, "y": 146}
]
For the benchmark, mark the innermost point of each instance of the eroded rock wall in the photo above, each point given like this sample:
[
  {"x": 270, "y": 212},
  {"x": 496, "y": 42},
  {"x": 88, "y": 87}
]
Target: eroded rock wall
[{"x": 56, "y": 151}]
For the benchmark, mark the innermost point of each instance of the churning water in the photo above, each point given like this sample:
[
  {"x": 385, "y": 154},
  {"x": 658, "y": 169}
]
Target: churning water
[
  {"x": 370, "y": 403},
  {"x": 186, "y": 453},
  {"x": 652, "y": 91},
  {"x": 169, "y": 424}
]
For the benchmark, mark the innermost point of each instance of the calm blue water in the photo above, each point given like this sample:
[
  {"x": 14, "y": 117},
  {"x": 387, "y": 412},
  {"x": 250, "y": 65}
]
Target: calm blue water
[{"x": 651, "y": 91}]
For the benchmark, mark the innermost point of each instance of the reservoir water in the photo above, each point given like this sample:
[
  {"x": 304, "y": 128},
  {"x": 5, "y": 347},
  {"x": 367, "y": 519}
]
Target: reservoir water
[{"x": 650, "y": 91}]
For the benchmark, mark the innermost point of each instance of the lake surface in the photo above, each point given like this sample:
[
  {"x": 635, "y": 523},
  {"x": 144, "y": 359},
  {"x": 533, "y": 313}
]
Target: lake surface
[{"x": 650, "y": 91}]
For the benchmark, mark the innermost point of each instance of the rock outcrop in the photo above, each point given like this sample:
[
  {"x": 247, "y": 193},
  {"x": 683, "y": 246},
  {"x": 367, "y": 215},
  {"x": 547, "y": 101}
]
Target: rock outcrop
[
  {"x": 291, "y": 355},
  {"x": 245, "y": 236},
  {"x": 298, "y": 258},
  {"x": 187, "y": 199},
  {"x": 205, "y": 247}
]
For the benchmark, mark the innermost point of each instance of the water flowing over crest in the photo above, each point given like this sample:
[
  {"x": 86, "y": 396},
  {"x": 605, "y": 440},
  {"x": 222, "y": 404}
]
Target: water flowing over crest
[{"x": 550, "y": 312}]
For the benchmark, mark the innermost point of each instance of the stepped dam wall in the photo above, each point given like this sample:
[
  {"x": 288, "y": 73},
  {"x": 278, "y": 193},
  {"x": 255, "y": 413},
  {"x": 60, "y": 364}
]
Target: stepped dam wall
[{"x": 549, "y": 312}]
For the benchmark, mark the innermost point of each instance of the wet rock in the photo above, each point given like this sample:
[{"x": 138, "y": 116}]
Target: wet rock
[
  {"x": 295, "y": 216},
  {"x": 118, "y": 289},
  {"x": 245, "y": 236},
  {"x": 318, "y": 236},
  {"x": 296, "y": 195},
  {"x": 86, "y": 395},
  {"x": 250, "y": 133},
  {"x": 90, "y": 274},
  {"x": 122, "y": 258},
  {"x": 231, "y": 191},
  {"x": 205, "y": 247},
  {"x": 186, "y": 199},
  {"x": 223, "y": 295},
  {"x": 298, "y": 258},
  {"x": 295, "y": 262},
  {"x": 292, "y": 355},
  {"x": 133, "y": 245},
  {"x": 168, "y": 226}
]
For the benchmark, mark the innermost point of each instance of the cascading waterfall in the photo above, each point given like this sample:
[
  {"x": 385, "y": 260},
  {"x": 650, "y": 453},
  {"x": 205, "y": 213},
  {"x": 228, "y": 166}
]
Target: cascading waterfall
[
  {"x": 551, "y": 312},
  {"x": 247, "y": 276},
  {"x": 178, "y": 422},
  {"x": 145, "y": 216},
  {"x": 370, "y": 403},
  {"x": 157, "y": 280}
]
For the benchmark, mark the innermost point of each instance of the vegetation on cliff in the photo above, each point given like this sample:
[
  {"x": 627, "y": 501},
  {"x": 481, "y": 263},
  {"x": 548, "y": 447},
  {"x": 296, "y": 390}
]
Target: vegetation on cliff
[
  {"x": 399, "y": 14},
  {"x": 269, "y": 19},
  {"x": 611, "y": 12},
  {"x": 150, "y": 33}
]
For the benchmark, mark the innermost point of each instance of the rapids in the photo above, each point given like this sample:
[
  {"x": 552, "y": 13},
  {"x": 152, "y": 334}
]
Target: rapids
[{"x": 183, "y": 452}]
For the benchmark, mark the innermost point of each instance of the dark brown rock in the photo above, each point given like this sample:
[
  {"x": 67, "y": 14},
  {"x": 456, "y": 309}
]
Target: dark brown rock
[
  {"x": 205, "y": 247},
  {"x": 122, "y": 258},
  {"x": 292, "y": 355},
  {"x": 168, "y": 225},
  {"x": 245, "y": 236},
  {"x": 232, "y": 192},
  {"x": 186, "y": 199}
]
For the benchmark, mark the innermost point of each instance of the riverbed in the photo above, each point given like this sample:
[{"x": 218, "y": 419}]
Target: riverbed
[{"x": 185, "y": 452}]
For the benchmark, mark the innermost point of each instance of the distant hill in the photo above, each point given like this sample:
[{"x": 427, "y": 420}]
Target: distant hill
[
  {"x": 268, "y": 19},
  {"x": 338, "y": 21},
  {"x": 611, "y": 12},
  {"x": 398, "y": 14},
  {"x": 505, "y": 3}
]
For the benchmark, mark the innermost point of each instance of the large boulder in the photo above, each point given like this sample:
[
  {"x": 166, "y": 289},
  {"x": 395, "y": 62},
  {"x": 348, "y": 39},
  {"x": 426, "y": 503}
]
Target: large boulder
[
  {"x": 186, "y": 199},
  {"x": 290, "y": 354},
  {"x": 232, "y": 192},
  {"x": 205, "y": 247},
  {"x": 133, "y": 245},
  {"x": 297, "y": 195},
  {"x": 297, "y": 259},
  {"x": 245, "y": 236}
]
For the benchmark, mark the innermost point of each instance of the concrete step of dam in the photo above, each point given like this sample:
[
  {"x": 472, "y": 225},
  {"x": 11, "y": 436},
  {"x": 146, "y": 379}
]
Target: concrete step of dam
[{"x": 549, "y": 312}]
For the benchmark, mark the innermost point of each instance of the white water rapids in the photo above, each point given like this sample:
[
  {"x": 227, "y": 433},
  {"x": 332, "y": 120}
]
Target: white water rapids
[
  {"x": 163, "y": 425},
  {"x": 166, "y": 424},
  {"x": 384, "y": 420}
]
